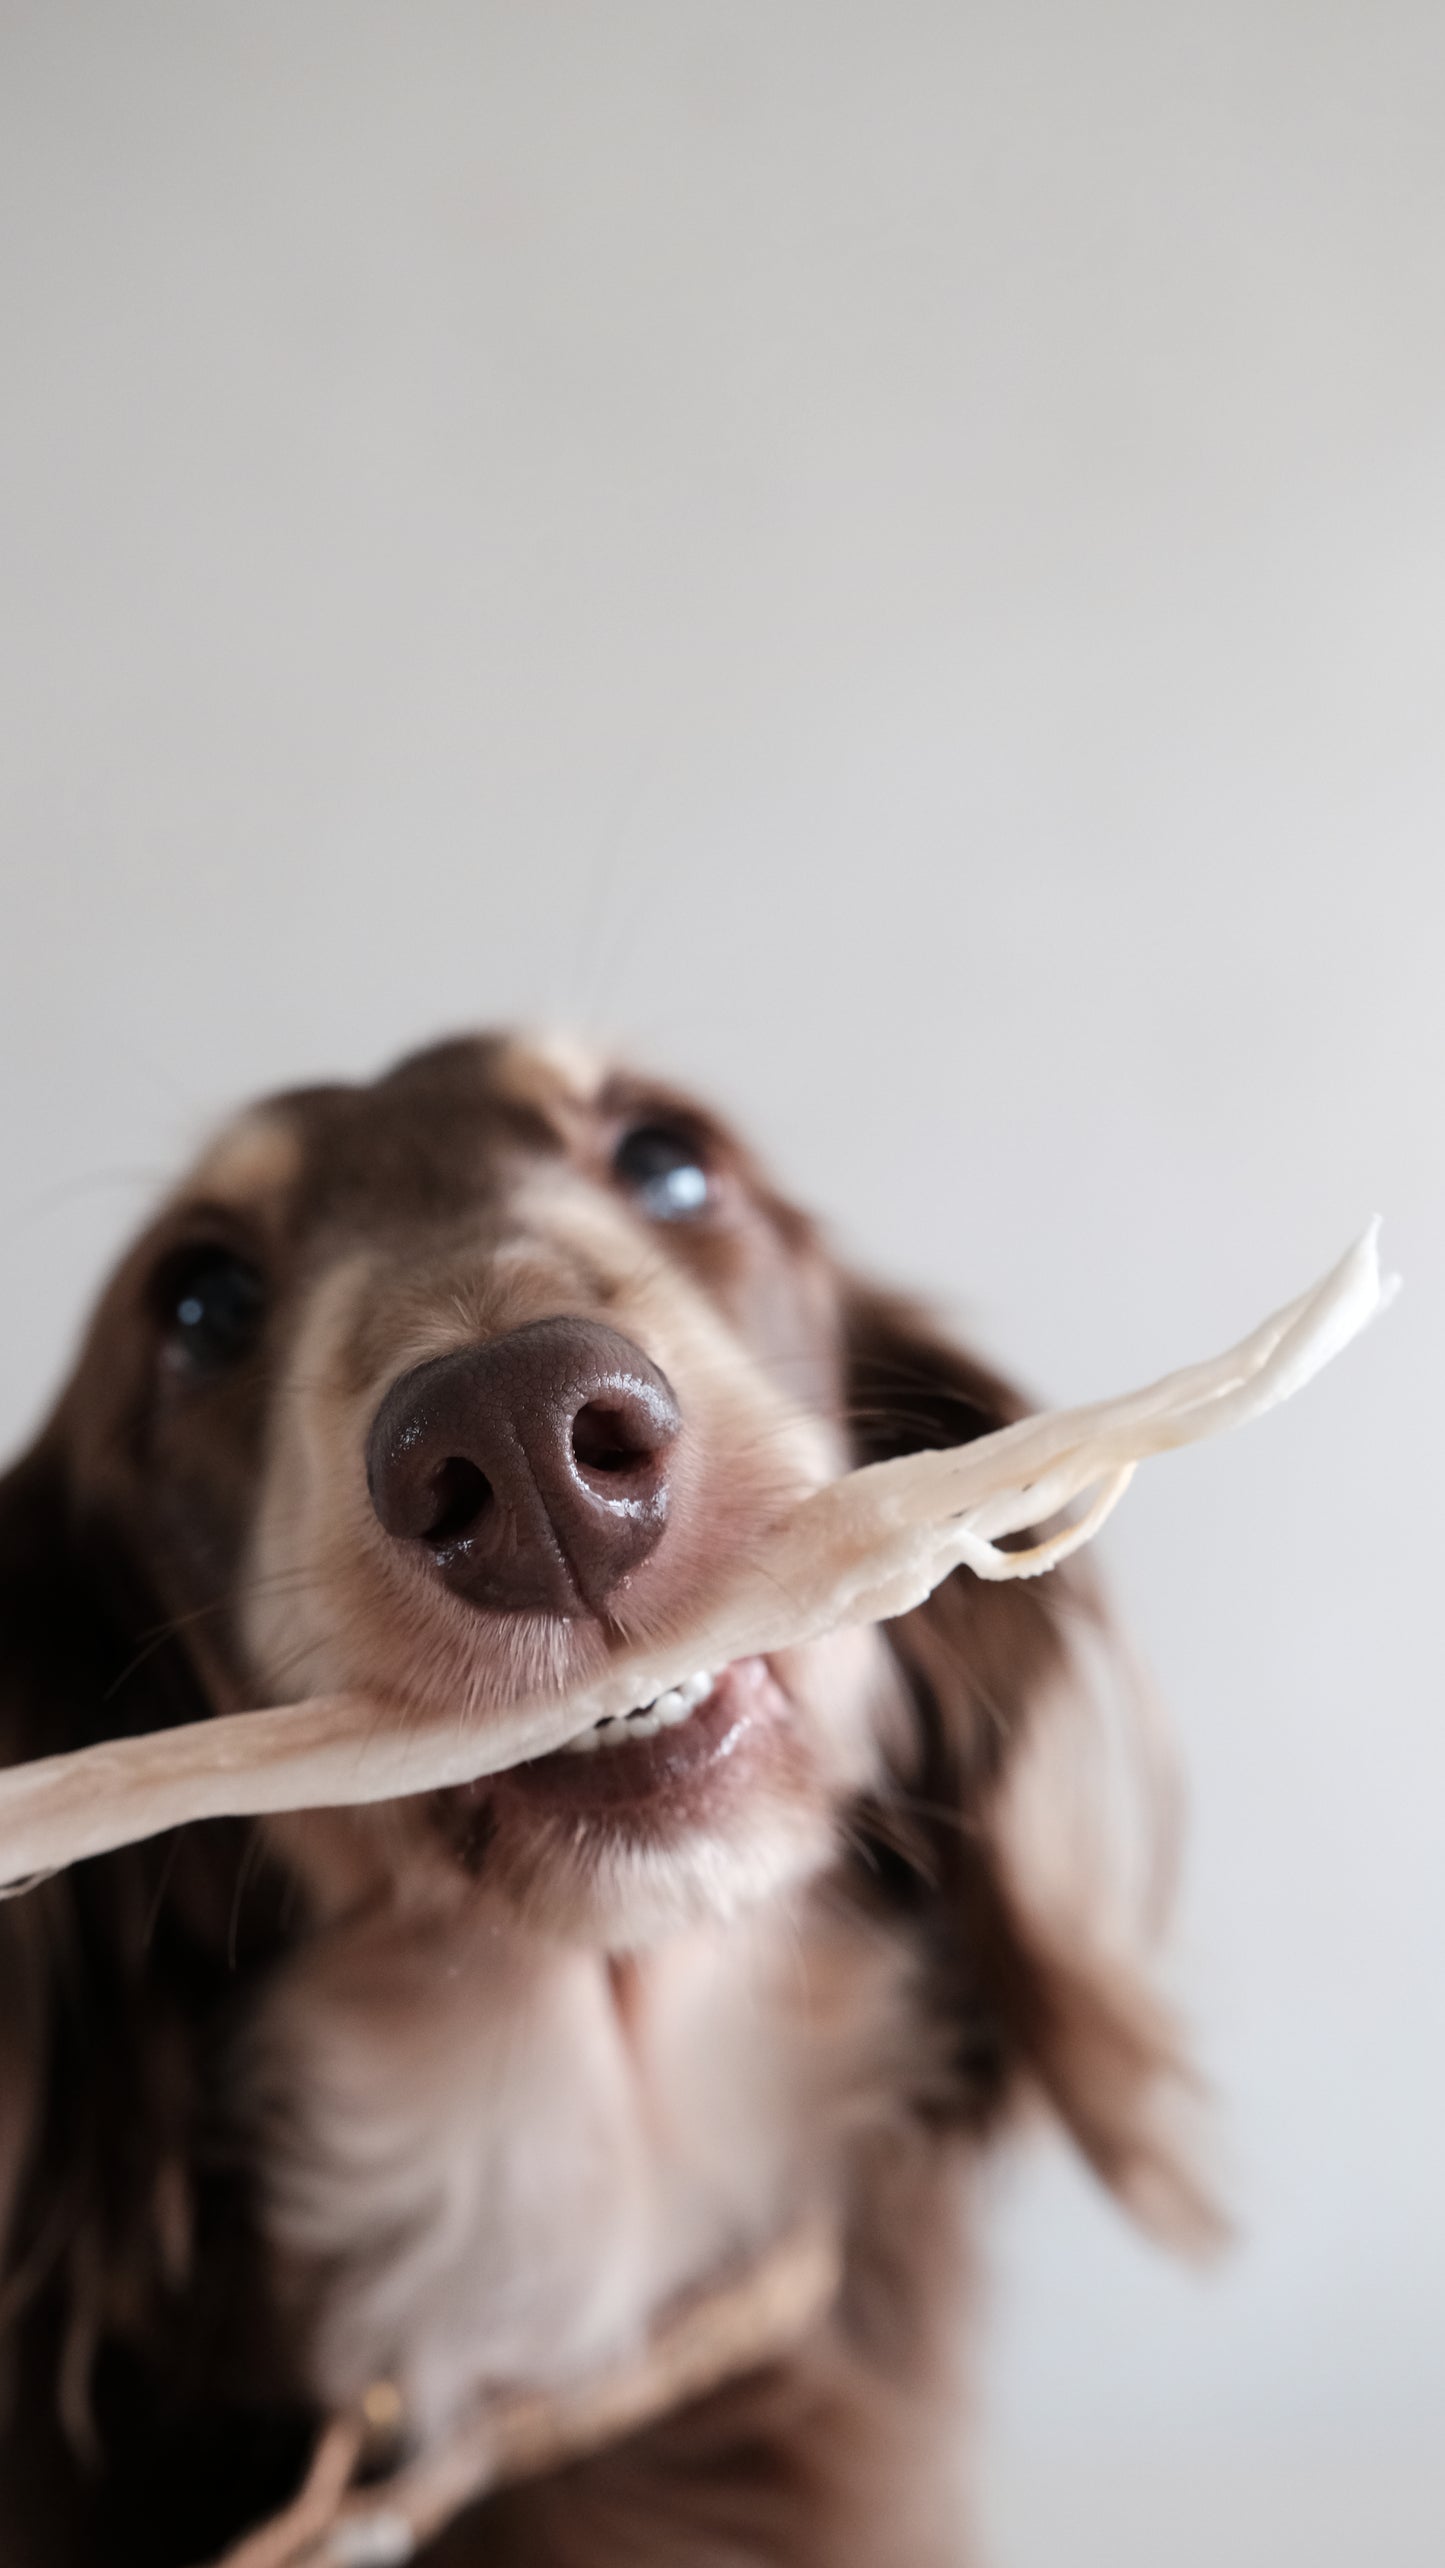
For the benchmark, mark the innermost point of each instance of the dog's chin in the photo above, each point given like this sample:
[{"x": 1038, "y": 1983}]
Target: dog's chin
[{"x": 621, "y": 1890}]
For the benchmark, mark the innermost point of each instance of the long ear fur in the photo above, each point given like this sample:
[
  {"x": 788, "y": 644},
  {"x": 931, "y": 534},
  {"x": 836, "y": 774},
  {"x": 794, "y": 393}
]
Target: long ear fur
[
  {"x": 111, "y": 1974},
  {"x": 1029, "y": 1743}
]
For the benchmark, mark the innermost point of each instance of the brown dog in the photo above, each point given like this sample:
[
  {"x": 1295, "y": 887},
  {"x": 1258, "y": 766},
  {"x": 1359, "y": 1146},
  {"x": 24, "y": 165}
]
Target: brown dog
[{"x": 442, "y": 1389}]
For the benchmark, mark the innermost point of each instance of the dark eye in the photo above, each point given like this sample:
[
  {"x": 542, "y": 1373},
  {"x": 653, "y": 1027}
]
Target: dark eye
[
  {"x": 665, "y": 1171},
  {"x": 211, "y": 1305}
]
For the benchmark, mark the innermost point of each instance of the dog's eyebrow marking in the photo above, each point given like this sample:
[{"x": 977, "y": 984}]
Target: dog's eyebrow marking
[
  {"x": 258, "y": 1156},
  {"x": 547, "y": 1070}
]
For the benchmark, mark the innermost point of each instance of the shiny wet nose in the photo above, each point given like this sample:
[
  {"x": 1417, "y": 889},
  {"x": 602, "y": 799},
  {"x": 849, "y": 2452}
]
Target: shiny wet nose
[{"x": 533, "y": 1470}]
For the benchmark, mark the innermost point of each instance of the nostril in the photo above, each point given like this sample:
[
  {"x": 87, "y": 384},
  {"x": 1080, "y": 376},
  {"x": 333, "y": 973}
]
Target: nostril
[
  {"x": 609, "y": 1440},
  {"x": 461, "y": 1495}
]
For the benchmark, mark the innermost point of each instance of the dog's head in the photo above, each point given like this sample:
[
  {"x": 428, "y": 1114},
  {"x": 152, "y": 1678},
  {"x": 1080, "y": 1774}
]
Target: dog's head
[{"x": 443, "y": 1390}]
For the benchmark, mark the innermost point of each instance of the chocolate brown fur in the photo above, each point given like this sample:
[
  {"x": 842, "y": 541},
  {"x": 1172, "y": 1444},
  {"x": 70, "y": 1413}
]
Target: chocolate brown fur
[{"x": 210, "y": 2045}]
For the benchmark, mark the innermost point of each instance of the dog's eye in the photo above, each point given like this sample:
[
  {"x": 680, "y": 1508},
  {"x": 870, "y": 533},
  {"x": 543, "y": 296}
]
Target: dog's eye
[
  {"x": 665, "y": 1171},
  {"x": 211, "y": 1304}
]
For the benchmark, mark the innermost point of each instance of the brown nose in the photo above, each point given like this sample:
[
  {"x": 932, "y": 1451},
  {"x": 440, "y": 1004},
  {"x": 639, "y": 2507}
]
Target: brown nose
[{"x": 533, "y": 1470}]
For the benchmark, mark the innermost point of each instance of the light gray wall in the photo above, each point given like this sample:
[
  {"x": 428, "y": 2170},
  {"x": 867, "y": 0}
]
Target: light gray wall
[{"x": 891, "y": 556}]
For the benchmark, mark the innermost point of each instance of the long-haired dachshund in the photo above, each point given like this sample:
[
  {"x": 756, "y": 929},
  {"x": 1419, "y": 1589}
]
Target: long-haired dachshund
[{"x": 443, "y": 1389}]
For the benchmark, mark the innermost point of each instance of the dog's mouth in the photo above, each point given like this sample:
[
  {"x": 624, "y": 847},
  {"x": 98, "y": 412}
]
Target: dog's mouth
[{"x": 659, "y": 1750}]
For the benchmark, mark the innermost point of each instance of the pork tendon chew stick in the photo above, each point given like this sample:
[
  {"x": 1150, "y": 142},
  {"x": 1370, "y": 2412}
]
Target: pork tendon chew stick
[{"x": 865, "y": 1548}]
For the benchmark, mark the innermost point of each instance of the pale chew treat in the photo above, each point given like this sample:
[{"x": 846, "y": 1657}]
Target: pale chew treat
[{"x": 865, "y": 1548}]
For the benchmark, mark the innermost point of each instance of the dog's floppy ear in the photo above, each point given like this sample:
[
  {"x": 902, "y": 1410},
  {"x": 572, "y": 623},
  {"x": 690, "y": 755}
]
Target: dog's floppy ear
[
  {"x": 105, "y": 1971},
  {"x": 1027, "y": 1807},
  {"x": 69, "y": 1948},
  {"x": 46, "y": 1638}
]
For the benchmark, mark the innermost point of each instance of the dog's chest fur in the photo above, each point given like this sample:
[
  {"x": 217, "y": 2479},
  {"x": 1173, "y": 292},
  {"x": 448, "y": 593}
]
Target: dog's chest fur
[{"x": 487, "y": 2159}]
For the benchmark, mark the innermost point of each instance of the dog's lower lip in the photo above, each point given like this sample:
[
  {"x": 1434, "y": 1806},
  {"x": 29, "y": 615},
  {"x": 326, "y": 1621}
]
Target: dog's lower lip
[{"x": 744, "y": 1695}]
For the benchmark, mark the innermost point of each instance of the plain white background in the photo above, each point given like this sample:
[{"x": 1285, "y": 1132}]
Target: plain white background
[{"x": 889, "y": 557}]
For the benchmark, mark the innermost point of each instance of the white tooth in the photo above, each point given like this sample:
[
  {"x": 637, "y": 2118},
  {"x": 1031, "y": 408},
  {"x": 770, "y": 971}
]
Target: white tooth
[{"x": 663, "y": 1713}]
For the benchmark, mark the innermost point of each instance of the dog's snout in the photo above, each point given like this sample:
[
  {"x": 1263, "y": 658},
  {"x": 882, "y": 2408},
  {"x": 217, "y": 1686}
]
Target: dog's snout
[{"x": 533, "y": 1469}]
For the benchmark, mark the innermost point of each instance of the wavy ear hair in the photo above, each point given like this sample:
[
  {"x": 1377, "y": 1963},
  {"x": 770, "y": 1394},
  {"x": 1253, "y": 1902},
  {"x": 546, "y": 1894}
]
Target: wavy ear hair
[
  {"x": 1029, "y": 1742},
  {"x": 111, "y": 1973}
]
